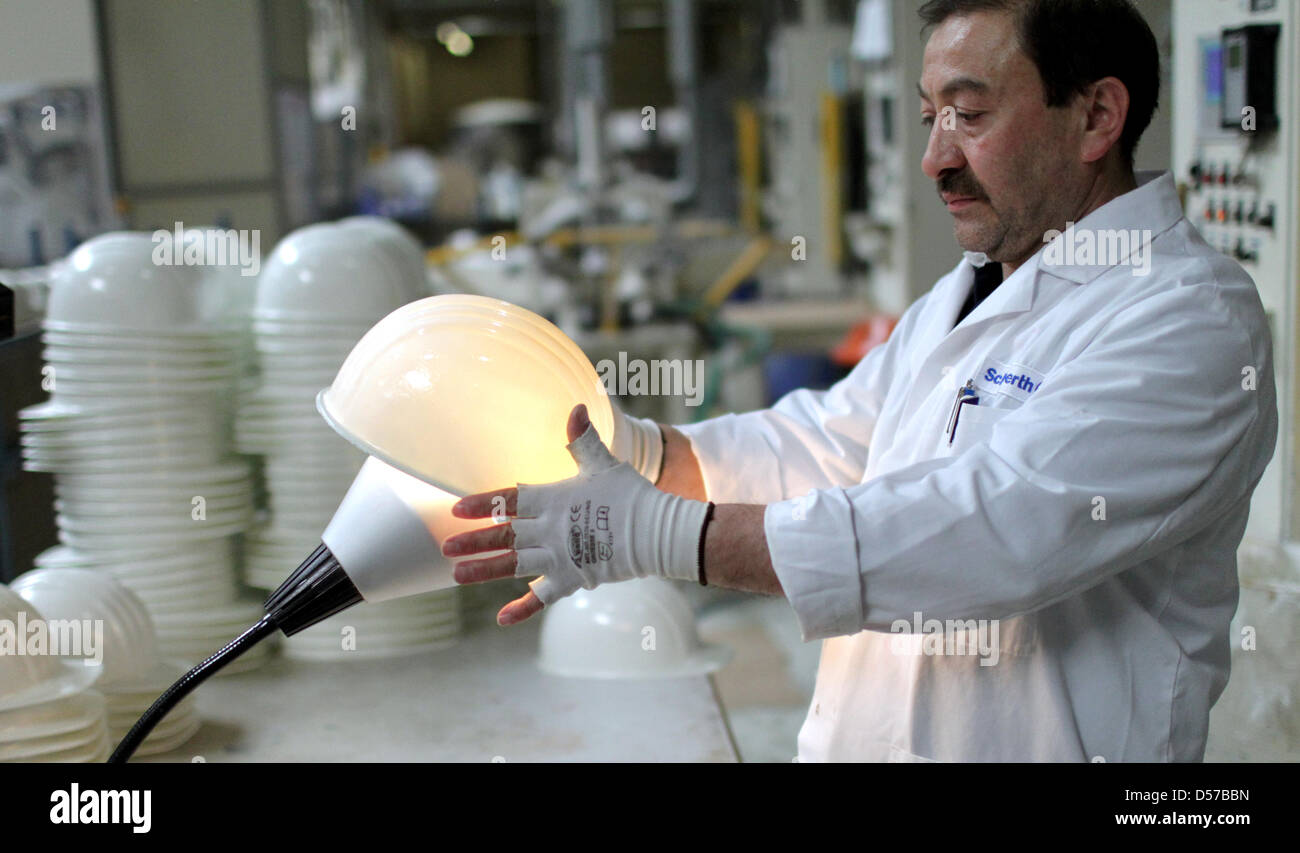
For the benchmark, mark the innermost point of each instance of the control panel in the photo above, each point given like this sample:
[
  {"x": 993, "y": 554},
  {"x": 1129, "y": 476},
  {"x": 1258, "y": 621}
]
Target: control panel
[{"x": 1234, "y": 103}]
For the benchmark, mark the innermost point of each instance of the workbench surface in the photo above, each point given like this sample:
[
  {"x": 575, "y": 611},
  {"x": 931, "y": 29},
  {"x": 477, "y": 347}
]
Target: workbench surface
[{"x": 483, "y": 699}]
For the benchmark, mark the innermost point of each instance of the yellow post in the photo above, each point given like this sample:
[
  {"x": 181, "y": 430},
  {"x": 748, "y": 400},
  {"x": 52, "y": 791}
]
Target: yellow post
[
  {"x": 749, "y": 164},
  {"x": 832, "y": 178}
]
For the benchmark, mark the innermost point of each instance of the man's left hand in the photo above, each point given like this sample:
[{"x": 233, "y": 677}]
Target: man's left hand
[{"x": 606, "y": 524}]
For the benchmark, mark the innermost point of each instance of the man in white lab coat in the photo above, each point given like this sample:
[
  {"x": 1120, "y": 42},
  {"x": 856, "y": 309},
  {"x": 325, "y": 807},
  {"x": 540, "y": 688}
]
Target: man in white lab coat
[{"x": 1015, "y": 523}]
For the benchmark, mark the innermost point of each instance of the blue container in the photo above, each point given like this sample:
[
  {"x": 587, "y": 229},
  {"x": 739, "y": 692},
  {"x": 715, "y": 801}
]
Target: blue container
[{"x": 787, "y": 371}]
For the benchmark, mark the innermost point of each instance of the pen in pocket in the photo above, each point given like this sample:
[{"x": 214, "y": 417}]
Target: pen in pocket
[{"x": 965, "y": 394}]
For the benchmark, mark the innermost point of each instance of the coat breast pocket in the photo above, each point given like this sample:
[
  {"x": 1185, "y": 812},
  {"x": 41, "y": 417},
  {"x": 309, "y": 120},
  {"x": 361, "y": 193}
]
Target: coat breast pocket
[{"x": 974, "y": 426}]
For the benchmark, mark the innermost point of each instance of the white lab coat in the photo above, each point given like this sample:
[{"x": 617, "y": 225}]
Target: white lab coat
[{"x": 1092, "y": 503}]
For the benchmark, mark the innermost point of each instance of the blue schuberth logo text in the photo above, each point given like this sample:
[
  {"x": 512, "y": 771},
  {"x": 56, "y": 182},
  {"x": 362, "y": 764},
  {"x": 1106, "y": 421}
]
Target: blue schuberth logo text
[{"x": 1021, "y": 381}]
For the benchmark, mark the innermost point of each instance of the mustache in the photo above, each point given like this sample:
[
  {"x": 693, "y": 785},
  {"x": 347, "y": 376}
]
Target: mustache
[{"x": 961, "y": 183}]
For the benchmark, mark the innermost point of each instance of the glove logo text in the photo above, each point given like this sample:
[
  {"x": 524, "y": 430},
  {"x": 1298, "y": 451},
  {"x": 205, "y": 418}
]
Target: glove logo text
[{"x": 575, "y": 545}]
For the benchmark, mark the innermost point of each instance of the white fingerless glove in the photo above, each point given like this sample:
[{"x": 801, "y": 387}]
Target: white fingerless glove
[
  {"x": 639, "y": 442},
  {"x": 606, "y": 524}
]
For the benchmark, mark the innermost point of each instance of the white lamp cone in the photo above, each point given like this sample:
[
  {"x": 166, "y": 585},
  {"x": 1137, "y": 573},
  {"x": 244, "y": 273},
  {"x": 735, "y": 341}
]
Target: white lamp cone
[{"x": 387, "y": 533}]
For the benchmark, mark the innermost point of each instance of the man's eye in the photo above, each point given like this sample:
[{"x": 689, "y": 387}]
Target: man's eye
[{"x": 928, "y": 120}]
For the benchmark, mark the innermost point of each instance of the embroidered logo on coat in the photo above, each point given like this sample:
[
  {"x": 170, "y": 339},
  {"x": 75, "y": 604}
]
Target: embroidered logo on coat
[{"x": 1013, "y": 380}]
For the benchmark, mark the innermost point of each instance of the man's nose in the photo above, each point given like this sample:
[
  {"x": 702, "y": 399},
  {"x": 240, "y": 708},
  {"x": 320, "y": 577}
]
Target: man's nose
[{"x": 941, "y": 151}]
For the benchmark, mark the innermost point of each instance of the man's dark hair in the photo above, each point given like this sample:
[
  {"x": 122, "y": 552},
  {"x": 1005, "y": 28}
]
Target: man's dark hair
[{"x": 1077, "y": 42}]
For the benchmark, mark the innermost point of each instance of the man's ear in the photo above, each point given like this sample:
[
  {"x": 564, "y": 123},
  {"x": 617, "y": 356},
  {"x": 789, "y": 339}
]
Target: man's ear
[{"x": 1105, "y": 105}]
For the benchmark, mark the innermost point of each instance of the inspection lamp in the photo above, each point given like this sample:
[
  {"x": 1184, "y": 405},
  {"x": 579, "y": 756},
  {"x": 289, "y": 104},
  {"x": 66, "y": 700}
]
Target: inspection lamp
[{"x": 449, "y": 395}]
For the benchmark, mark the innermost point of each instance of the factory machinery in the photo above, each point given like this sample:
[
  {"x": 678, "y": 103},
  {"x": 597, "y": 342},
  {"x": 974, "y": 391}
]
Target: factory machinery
[{"x": 1236, "y": 155}]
